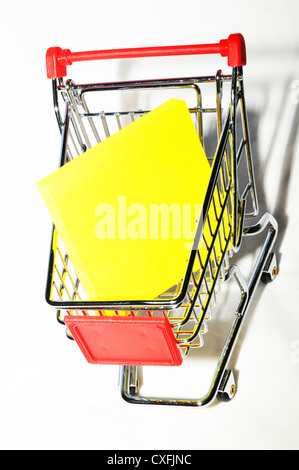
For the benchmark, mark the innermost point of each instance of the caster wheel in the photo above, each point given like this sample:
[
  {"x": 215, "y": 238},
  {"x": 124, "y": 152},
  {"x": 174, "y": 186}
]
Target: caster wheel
[{"x": 227, "y": 389}]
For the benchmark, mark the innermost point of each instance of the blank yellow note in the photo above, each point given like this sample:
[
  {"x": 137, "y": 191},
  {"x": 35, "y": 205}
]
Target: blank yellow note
[{"x": 126, "y": 208}]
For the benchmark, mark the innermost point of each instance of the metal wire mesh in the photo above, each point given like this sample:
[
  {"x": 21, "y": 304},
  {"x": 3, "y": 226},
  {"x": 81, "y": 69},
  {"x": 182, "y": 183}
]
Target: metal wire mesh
[{"x": 88, "y": 126}]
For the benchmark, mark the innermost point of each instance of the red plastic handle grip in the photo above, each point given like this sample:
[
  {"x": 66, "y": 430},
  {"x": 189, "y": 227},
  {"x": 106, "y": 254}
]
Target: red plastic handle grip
[{"x": 233, "y": 48}]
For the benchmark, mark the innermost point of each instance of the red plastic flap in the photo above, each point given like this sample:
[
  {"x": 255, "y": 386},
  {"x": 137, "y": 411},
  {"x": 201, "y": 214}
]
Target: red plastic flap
[{"x": 125, "y": 340}]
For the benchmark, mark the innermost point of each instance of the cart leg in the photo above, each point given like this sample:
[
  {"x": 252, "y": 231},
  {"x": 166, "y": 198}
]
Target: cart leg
[{"x": 223, "y": 383}]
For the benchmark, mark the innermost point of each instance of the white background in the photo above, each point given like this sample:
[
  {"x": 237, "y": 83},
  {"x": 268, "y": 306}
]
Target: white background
[{"x": 50, "y": 398}]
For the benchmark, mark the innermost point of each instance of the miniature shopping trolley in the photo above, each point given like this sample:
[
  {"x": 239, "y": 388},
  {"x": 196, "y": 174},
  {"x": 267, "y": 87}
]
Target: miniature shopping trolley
[{"x": 166, "y": 330}]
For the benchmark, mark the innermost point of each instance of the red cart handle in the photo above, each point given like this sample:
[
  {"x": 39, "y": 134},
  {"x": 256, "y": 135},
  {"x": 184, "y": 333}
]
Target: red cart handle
[{"x": 233, "y": 48}]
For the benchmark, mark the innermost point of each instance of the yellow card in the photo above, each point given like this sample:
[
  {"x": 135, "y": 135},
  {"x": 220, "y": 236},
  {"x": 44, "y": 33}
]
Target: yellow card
[{"x": 126, "y": 208}]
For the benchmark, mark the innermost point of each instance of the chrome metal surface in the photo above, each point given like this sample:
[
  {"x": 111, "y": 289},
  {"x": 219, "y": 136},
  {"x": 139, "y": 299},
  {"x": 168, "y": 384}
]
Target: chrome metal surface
[{"x": 267, "y": 221}]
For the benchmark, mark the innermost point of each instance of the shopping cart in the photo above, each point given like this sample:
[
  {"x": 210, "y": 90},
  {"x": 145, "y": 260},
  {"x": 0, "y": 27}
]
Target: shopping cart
[{"x": 166, "y": 329}]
